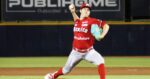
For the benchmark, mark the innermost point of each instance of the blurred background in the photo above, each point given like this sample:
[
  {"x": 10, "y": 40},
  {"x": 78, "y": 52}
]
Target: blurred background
[{"x": 45, "y": 27}]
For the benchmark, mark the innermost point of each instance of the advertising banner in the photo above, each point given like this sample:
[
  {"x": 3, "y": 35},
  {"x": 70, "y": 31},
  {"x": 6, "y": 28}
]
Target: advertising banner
[{"x": 22, "y": 10}]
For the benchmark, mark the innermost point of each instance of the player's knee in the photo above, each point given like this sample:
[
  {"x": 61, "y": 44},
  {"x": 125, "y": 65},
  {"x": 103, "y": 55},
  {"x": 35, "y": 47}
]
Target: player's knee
[
  {"x": 102, "y": 61},
  {"x": 66, "y": 70}
]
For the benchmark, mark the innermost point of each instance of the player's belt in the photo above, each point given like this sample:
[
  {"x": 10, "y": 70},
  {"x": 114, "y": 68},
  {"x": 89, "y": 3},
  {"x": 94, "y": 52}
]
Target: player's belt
[{"x": 83, "y": 50}]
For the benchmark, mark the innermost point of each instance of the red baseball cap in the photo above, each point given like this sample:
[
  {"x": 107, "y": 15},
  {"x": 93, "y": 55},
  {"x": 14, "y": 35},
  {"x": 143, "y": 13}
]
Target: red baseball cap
[{"x": 85, "y": 5}]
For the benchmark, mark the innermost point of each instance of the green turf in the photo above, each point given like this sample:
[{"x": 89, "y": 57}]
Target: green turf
[
  {"x": 128, "y": 61},
  {"x": 60, "y": 61},
  {"x": 81, "y": 77}
]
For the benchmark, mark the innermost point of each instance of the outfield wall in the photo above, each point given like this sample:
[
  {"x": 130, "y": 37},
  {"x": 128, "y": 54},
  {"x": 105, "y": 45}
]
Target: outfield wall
[{"x": 56, "y": 40}]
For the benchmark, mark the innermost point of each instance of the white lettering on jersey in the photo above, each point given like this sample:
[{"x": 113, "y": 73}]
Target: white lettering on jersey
[
  {"x": 81, "y": 38},
  {"x": 76, "y": 29},
  {"x": 85, "y": 23}
]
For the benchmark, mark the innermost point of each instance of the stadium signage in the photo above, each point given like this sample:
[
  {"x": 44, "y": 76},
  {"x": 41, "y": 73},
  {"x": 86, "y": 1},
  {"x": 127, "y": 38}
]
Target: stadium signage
[
  {"x": 26, "y": 10},
  {"x": 60, "y": 3},
  {"x": 34, "y": 5}
]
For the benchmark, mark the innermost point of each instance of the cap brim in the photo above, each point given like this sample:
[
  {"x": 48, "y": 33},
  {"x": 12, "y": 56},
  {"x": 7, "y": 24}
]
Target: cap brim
[{"x": 86, "y": 7}]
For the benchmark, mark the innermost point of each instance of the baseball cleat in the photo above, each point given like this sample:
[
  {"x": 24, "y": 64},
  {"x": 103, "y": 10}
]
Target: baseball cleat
[{"x": 49, "y": 76}]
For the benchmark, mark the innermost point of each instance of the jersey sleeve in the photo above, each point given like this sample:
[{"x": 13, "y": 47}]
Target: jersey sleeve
[{"x": 100, "y": 23}]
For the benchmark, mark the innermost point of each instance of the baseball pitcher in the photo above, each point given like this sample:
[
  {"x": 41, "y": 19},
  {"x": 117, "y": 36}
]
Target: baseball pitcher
[{"x": 86, "y": 30}]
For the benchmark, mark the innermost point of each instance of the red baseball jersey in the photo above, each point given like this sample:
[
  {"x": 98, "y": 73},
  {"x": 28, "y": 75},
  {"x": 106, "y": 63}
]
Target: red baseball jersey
[{"x": 83, "y": 39}]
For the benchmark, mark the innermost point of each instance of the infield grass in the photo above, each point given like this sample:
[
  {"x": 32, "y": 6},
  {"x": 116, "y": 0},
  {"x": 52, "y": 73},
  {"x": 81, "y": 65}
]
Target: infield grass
[{"x": 60, "y": 61}]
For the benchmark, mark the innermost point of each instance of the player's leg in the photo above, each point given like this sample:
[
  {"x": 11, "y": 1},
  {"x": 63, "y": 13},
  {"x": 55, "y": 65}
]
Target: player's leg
[
  {"x": 73, "y": 59},
  {"x": 96, "y": 58}
]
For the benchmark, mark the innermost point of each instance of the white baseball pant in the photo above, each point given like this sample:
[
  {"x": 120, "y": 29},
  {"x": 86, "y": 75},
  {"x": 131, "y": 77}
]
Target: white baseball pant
[{"x": 75, "y": 57}]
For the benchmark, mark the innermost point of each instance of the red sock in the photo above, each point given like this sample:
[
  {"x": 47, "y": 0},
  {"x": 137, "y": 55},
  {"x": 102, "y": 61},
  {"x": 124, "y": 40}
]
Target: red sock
[
  {"x": 101, "y": 71},
  {"x": 58, "y": 73}
]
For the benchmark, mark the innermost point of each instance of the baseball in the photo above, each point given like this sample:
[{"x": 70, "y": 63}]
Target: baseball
[{"x": 71, "y": 6}]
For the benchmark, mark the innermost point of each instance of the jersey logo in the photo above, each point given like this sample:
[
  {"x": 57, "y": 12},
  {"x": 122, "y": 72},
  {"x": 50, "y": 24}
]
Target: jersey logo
[
  {"x": 85, "y": 23},
  {"x": 76, "y": 29}
]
